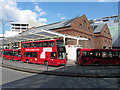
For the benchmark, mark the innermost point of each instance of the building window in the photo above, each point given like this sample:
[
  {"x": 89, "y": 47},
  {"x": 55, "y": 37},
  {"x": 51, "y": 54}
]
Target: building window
[
  {"x": 85, "y": 42},
  {"x": 84, "y": 25},
  {"x": 88, "y": 29},
  {"x": 89, "y": 42},
  {"x": 104, "y": 32},
  {"x": 80, "y": 26}
]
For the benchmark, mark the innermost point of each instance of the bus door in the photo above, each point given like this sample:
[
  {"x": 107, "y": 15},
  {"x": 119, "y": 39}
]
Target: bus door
[
  {"x": 34, "y": 56},
  {"x": 78, "y": 55}
]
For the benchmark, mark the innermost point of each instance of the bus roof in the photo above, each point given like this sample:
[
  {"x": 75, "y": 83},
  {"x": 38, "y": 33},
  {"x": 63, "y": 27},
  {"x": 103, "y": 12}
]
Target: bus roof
[{"x": 85, "y": 49}]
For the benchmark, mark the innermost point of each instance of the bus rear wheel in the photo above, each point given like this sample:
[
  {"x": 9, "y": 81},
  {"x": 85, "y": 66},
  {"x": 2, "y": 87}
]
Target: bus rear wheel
[{"x": 96, "y": 63}]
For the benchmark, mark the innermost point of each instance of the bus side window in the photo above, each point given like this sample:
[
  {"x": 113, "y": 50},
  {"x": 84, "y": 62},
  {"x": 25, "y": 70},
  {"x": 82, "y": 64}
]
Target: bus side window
[
  {"x": 30, "y": 54},
  {"x": 85, "y": 53},
  {"x": 109, "y": 54},
  {"x": 27, "y": 45},
  {"x": 23, "y": 45},
  {"x": 91, "y": 54},
  {"x": 40, "y": 44},
  {"x": 35, "y": 44},
  {"x": 52, "y": 44},
  {"x": 45, "y": 44},
  {"x": 115, "y": 54},
  {"x": 119, "y": 54},
  {"x": 97, "y": 54},
  {"x": 27, "y": 54},
  {"x": 30, "y": 44},
  {"x": 35, "y": 54},
  {"x": 104, "y": 54}
]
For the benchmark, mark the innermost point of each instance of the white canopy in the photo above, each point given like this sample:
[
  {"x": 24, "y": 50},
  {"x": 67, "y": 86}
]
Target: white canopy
[{"x": 38, "y": 34}]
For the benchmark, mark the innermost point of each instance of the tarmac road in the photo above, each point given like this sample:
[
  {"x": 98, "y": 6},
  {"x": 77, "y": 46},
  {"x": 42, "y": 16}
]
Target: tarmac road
[{"x": 18, "y": 79}]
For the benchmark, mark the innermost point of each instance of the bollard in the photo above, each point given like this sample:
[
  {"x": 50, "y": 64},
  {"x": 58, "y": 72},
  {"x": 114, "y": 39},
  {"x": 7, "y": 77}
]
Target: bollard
[
  {"x": 47, "y": 66},
  {"x": 64, "y": 67}
]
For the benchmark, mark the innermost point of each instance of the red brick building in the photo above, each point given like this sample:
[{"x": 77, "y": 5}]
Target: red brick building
[
  {"x": 102, "y": 37},
  {"x": 79, "y": 27},
  {"x": 99, "y": 37}
]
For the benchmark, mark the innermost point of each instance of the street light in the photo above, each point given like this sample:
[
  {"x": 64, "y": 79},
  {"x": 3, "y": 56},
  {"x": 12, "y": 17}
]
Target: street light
[{"x": 3, "y": 23}]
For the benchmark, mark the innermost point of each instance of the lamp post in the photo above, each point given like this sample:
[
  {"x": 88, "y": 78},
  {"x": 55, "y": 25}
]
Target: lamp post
[{"x": 3, "y": 24}]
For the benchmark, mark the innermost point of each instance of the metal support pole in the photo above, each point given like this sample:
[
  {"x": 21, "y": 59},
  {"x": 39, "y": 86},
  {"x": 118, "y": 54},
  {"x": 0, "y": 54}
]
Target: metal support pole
[
  {"x": 77, "y": 41},
  {"x": 64, "y": 39},
  {"x": 47, "y": 66},
  {"x": 3, "y": 43}
]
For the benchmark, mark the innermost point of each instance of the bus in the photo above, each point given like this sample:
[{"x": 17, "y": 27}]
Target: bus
[
  {"x": 12, "y": 54},
  {"x": 98, "y": 56},
  {"x": 51, "y": 51}
]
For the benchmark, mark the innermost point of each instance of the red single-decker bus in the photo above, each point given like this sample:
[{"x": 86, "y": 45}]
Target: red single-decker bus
[{"x": 98, "y": 56}]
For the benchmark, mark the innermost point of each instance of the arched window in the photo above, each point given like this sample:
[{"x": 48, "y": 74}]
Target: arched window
[
  {"x": 80, "y": 26},
  {"x": 88, "y": 29},
  {"x": 85, "y": 42},
  {"x": 84, "y": 25},
  {"x": 89, "y": 43}
]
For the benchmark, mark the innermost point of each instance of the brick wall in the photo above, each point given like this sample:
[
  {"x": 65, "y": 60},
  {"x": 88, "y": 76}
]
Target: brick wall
[{"x": 77, "y": 29}]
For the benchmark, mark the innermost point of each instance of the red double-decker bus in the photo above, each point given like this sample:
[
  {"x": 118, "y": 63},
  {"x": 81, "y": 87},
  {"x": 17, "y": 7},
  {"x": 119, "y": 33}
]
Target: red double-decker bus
[
  {"x": 12, "y": 54},
  {"x": 52, "y": 52},
  {"x": 98, "y": 56}
]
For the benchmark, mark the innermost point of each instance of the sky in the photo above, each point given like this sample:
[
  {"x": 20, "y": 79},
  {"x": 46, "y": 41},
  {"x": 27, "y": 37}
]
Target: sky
[{"x": 51, "y": 12}]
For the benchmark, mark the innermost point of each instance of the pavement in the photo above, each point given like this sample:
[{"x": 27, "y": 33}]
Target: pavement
[{"x": 70, "y": 69}]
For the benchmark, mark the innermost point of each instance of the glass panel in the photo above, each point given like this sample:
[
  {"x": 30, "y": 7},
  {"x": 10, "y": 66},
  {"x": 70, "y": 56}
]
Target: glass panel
[
  {"x": 14, "y": 53},
  {"x": 35, "y": 44},
  {"x": 35, "y": 54},
  {"x": 59, "y": 43},
  {"x": 30, "y": 54},
  {"x": 27, "y": 54},
  {"x": 97, "y": 54},
  {"x": 26, "y": 45},
  {"x": 52, "y": 44},
  {"x": 61, "y": 55},
  {"x": 40, "y": 44},
  {"x": 85, "y": 53},
  {"x": 104, "y": 54},
  {"x": 45, "y": 44},
  {"x": 53, "y": 55},
  {"x": 19, "y": 52},
  {"x": 80, "y": 26},
  {"x": 110, "y": 54}
]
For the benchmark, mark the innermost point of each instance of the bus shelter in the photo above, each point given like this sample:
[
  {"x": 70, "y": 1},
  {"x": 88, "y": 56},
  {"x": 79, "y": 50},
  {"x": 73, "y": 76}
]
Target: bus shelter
[{"x": 35, "y": 35}]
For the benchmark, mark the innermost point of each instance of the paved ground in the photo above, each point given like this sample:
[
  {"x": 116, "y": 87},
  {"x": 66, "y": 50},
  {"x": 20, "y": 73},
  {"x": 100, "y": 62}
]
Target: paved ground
[
  {"x": 17, "y": 79},
  {"x": 70, "y": 68}
]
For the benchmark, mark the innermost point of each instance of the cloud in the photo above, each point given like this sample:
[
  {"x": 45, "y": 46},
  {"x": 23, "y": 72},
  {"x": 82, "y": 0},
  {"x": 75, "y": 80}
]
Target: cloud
[
  {"x": 62, "y": 18},
  {"x": 42, "y": 13},
  {"x": 11, "y": 12},
  {"x": 37, "y": 9},
  {"x": 43, "y": 20}
]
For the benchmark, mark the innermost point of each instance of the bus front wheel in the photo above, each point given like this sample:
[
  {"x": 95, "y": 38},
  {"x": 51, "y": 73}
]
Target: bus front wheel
[
  {"x": 13, "y": 58},
  {"x": 27, "y": 60}
]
